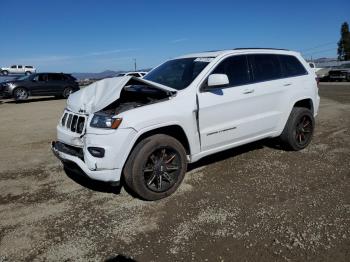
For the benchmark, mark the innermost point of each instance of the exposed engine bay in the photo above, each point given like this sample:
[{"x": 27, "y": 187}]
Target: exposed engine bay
[{"x": 136, "y": 95}]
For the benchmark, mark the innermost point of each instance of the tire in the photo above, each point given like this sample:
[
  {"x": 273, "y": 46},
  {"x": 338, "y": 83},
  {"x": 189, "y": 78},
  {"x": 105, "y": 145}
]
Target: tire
[
  {"x": 66, "y": 92},
  {"x": 297, "y": 133},
  {"x": 27, "y": 73},
  {"x": 20, "y": 94},
  {"x": 156, "y": 167},
  {"x": 5, "y": 72}
]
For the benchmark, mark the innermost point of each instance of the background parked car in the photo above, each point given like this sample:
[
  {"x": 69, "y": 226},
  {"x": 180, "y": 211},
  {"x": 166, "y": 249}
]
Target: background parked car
[
  {"x": 40, "y": 84},
  {"x": 340, "y": 73},
  {"x": 17, "y": 69},
  {"x": 137, "y": 74}
]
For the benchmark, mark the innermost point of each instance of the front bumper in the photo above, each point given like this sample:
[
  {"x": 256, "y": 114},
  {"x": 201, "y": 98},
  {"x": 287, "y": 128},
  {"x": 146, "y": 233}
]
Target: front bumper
[{"x": 65, "y": 155}]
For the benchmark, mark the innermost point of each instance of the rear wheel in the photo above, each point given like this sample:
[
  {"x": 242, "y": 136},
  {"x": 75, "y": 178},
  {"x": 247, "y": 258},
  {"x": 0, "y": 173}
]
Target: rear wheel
[
  {"x": 156, "y": 167},
  {"x": 297, "y": 133},
  {"x": 5, "y": 72},
  {"x": 20, "y": 94},
  {"x": 67, "y": 91},
  {"x": 27, "y": 73}
]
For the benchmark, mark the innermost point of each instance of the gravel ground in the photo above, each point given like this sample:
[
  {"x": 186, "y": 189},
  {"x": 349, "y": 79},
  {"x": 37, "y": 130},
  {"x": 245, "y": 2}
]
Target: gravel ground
[{"x": 252, "y": 203}]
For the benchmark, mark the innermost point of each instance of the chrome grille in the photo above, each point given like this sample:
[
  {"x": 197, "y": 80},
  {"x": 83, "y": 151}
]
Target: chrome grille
[{"x": 73, "y": 122}]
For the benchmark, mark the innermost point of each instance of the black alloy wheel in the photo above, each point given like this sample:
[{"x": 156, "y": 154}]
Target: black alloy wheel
[{"x": 161, "y": 169}]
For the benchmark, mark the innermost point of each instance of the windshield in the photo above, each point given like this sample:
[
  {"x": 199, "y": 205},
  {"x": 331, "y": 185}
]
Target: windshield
[
  {"x": 178, "y": 73},
  {"x": 24, "y": 78}
]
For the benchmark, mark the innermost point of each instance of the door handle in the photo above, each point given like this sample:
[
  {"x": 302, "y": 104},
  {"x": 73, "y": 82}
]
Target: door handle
[
  {"x": 288, "y": 84},
  {"x": 248, "y": 91}
]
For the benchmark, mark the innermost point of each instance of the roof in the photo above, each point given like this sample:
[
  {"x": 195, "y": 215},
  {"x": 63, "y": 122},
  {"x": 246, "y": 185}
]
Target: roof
[{"x": 216, "y": 53}]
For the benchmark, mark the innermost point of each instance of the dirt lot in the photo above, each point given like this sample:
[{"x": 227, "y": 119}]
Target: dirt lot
[{"x": 254, "y": 203}]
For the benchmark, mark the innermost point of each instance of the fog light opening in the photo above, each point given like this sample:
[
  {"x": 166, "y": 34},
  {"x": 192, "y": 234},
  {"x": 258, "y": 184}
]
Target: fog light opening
[{"x": 96, "y": 151}]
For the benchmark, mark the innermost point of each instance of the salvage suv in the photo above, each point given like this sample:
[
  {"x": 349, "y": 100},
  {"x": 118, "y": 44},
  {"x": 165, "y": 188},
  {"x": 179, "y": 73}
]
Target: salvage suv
[{"x": 145, "y": 131}]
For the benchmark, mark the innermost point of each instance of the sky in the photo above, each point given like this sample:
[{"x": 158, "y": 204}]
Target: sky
[{"x": 93, "y": 36}]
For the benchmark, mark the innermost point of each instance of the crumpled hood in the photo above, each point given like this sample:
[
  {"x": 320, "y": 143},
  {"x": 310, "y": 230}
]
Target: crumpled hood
[{"x": 100, "y": 94}]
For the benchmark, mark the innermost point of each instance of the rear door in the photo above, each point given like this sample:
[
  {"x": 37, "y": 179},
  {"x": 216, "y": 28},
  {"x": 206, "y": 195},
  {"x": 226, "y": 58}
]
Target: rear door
[
  {"x": 55, "y": 84},
  {"x": 271, "y": 87}
]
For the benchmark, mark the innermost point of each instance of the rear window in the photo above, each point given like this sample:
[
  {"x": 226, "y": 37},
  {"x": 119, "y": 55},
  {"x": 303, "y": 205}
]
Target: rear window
[
  {"x": 69, "y": 77},
  {"x": 265, "y": 67},
  {"x": 291, "y": 66}
]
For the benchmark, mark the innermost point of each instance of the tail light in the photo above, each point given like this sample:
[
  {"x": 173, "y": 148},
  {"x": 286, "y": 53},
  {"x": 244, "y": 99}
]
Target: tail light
[{"x": 317, "y": 81}]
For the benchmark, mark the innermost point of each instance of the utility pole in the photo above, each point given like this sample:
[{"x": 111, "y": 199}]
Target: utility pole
[{"x": 134, "y": 64}]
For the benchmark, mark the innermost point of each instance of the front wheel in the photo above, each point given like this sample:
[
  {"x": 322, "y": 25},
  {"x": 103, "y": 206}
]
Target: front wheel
[
  {"x": 156, "y": 167},
  {"x": 20, "y": 94},
  {"x": 27, "y": 73},
  {"x": 67, "y": 91},
  {"x": 5, "y": 72},
  {"x": 297, "y": 133}
]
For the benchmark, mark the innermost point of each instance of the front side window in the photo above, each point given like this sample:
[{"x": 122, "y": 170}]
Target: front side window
[
  {"x": 20, "y": 67},
  {"x": 236, "y": 69},
  {"x": 14, "y": 67},
  {"x": 291, "y": 66},
  {"x": 178, "y": 73},
  {"x": 265, "y": 67},
  {"x": 40, "y": 78}
]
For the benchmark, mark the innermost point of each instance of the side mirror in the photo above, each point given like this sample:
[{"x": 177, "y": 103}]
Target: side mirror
[{"x": 216, "y": 80}]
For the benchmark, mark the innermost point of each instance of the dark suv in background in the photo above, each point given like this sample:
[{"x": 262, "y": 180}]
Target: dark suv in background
[
  {"x": 340, "y": 73},
  {"x": 40, "y": 84}
]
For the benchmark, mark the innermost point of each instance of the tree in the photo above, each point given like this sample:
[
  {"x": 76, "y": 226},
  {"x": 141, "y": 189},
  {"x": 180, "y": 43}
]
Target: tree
[{"x": 344, "y": 43}]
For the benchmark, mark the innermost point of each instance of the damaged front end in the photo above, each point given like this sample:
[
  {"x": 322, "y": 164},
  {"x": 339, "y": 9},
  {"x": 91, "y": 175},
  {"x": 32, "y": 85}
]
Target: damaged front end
[{"x": 91, "y": 124}]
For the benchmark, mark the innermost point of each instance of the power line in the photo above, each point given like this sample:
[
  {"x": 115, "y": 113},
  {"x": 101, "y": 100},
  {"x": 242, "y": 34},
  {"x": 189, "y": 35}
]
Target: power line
[
  {"x": 320, "y": 51},
  {"x": 318, "y": 46}
]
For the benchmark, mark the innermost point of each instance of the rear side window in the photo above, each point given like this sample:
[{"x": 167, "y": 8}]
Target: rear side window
[
  {"x": 236, "y": 69},
  {"x": 265, "y": 67},
  {"x": 28, "y": 67},
  {"x": 291, "y": 66}
]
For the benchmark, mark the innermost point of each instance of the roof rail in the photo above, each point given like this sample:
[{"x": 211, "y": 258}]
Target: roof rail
[{"x": 268, "y": 48}]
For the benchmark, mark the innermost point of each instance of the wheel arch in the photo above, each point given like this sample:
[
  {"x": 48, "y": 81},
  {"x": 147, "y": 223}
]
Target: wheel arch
[
  {"x": 306, "y": 103},
  {"x": 173, "y": 130},
  {"x": 13, "y": 90}
]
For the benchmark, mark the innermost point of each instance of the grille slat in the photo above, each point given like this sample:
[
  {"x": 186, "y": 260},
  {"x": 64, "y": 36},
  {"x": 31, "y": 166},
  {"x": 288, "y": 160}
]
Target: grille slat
[{"x": 73, "y": 122}]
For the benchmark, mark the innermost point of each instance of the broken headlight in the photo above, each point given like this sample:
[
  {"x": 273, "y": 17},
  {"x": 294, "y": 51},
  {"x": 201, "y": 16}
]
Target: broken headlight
[{"x": 101, "y": 120}]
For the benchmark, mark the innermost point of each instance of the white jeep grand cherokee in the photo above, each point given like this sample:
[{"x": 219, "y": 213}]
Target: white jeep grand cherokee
[{"x": 146, "y": 131}]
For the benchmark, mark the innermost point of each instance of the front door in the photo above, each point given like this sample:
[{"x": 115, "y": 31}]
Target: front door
[{"x": 39, "y": 84}]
